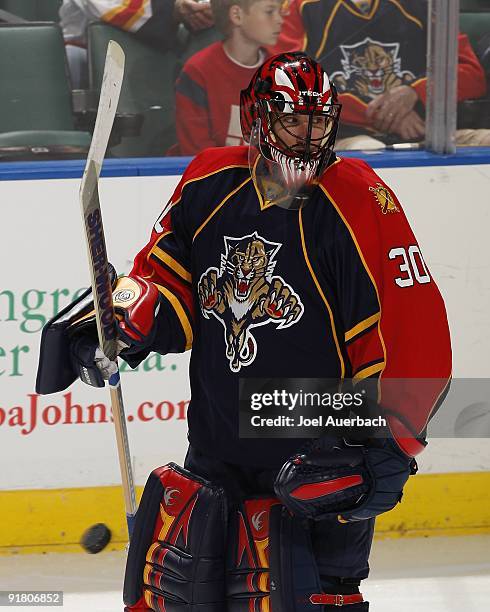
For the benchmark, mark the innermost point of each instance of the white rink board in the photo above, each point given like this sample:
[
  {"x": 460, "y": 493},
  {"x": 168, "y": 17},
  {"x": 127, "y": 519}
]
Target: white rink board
[{"x": 44, "y": 265}]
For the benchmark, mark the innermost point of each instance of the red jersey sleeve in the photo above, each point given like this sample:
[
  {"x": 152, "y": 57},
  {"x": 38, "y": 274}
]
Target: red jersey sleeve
[
  {"x": 353, "y": 109},
  {"x": 402, "y": 338},
  {"x": 165, "y": 261},
  {"x": 471, "y": 76}
]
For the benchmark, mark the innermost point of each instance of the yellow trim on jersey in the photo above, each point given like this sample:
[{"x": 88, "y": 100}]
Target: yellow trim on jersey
[
  {"x": 366, "y": 267},
  {"x": 198, "y": 178},
  {"x": 109, "y": 16},
  {"x": 303, "y": 4},
  {"x": 327, "y": 28},
  {"x": 171, "y": 263},
  {"x": 357, "y": 329},
  {"x": 406, "y": 14},
  {"x": 357, "y": 13},
  {"x": 129, "y": 24},
  {"x": 351, "y": 95},
  {"x": 315, "y": 280},
  {"x": 181, "y": 314},
  {"x": 418, "y": 81},
  {"x": 367, "y": 372},
  {"x": 148, "y": 257},
  {"x": 340, "y": 3},
  {"x": 232, "y": 193}
]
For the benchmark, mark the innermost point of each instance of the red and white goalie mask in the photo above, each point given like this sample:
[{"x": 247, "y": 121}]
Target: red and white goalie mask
[{"x": 289, "y": 116}]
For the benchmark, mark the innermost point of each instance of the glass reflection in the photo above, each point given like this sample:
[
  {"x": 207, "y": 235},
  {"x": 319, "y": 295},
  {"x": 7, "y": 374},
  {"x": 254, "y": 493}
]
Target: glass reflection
[{"x": 187, "y": 61}]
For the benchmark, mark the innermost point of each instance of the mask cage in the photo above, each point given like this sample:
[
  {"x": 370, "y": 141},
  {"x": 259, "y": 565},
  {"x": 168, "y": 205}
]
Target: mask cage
[{"x": 312, "y": 137}]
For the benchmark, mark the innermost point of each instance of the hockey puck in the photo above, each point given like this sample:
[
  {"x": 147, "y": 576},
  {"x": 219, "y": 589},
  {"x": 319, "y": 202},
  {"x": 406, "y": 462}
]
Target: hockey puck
[{"x": 96, "y": 538}]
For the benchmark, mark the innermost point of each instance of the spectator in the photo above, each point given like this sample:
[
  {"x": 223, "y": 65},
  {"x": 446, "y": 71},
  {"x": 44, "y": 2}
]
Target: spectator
[
  {"x": 208, "y": 88},
  {"x": 152, "y": 22},
  {"x": 375, "y": 52}
]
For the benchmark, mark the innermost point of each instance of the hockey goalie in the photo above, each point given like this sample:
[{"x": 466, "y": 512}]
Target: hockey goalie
[{"x": 278, "y": 259}]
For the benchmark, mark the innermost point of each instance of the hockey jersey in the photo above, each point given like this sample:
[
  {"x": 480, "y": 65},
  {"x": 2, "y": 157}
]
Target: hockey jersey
[
  {"x": 369, "y": 46},
  {"x": 208, "y": 100},
  {"x": 337, "y": 289},
  {"x": 151, "y": 21}
]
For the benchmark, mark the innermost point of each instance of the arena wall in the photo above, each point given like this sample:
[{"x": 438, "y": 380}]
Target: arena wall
[{"x": 59, "y": 465}]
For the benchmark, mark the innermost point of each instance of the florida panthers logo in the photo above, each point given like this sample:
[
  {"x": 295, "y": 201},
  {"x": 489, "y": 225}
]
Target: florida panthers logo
[
  {"x": 244, "y": 294},
  {"x": 371, "y": 68}
]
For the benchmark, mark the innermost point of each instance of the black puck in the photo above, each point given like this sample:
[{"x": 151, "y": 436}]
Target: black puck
[{"x": 96, "y": 538}]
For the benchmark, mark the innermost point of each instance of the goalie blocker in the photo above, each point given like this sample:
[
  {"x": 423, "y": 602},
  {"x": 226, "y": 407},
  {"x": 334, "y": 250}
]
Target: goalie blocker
[
  {"x": 194, "y": 549},
  {"x": 70, "y": 340}
]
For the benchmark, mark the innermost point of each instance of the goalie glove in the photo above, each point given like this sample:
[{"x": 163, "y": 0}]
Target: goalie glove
[
  {"x": 136, "y": 304},
  {"x": 345, "y": 482},
  {"x": 69, "y": 342}
]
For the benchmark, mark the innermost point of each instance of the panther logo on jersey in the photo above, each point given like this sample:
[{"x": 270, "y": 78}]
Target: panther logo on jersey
[
  {"x": 370, "y": 68},
  {"x": 244, "y": 294}
]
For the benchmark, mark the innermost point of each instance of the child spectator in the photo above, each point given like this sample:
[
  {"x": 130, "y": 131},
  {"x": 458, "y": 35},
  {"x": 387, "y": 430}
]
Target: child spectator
[{"x": 208, "y": 88}]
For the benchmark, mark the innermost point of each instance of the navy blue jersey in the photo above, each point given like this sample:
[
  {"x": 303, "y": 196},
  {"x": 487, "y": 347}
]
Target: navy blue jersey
[{"x": 259, "y": 291}]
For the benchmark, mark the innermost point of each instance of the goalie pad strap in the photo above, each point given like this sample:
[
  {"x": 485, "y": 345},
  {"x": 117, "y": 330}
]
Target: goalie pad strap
[{"x": 326, "y": 599}]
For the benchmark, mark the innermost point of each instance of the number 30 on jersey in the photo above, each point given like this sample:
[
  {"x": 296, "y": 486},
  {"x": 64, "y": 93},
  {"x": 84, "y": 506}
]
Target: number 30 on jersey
[{"x": 412, "y": 266}]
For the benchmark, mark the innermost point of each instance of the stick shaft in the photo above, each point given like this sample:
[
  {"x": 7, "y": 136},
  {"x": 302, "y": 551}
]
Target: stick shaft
[
  {"x": 98, "y": 261},
  {"x": 123, "y": 449}
]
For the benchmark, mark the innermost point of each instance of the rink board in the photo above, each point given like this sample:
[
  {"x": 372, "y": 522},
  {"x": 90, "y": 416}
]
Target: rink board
[
  {"x": 55, "y": 443},
  {"x": 54, "y": 520}
]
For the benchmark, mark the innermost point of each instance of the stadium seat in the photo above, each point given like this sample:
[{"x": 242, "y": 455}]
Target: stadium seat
[
  {"x": 36, "y": 104},
  {"x": 475, "y": 25},
  {"x": 148, "y": 89},
  {"x": 33, "y": 10},
  {"x": 474, "y": 6}
]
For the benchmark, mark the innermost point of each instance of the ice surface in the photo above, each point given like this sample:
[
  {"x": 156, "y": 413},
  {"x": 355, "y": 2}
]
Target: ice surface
[{"x": 407, "y": 575}]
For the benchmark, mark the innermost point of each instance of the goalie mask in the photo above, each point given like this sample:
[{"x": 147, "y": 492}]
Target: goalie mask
[{"x": 289, "y": 116}]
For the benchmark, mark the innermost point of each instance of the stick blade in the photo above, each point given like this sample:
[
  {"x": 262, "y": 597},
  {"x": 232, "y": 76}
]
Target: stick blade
[{"x": 109, "y": 97}]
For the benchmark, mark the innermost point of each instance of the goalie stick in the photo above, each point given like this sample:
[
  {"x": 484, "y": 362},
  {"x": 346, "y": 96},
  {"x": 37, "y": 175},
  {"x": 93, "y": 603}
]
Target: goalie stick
[{"x": 97, "y": 255}]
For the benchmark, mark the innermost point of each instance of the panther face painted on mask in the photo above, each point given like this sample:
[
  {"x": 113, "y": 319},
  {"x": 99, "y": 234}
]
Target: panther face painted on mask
[{"x": 244, "y": 294}]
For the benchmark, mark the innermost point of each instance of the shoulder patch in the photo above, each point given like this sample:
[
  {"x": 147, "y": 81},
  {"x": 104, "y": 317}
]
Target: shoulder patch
[{"x": 384, "y": 198}]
